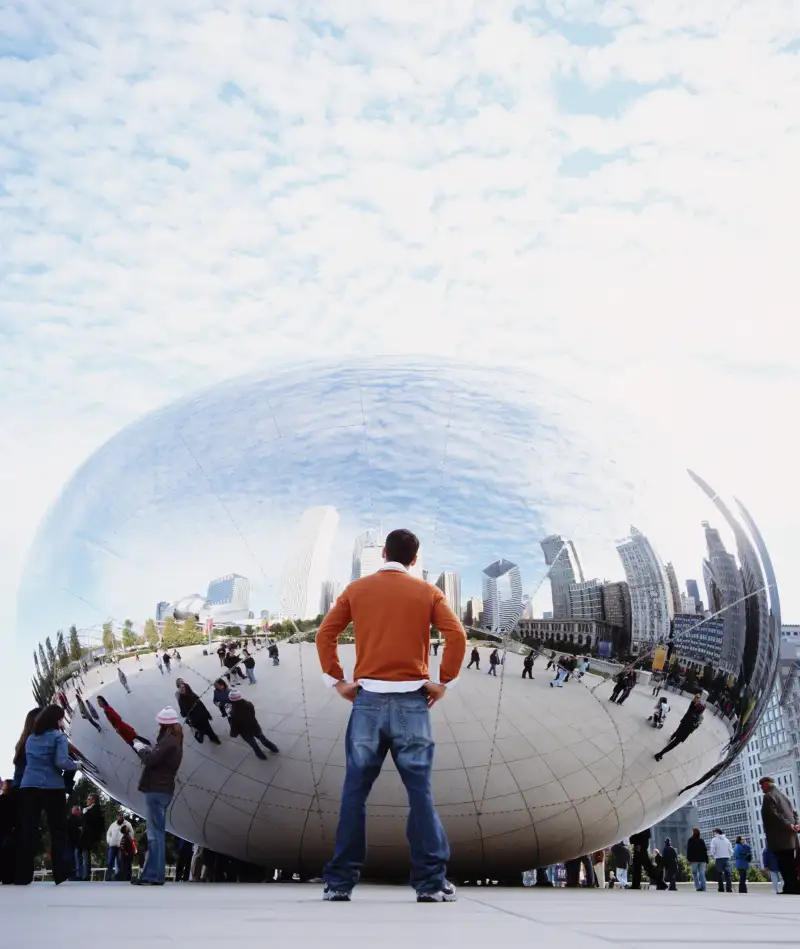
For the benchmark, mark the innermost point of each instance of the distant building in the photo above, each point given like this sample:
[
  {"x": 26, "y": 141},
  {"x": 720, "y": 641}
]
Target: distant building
[
  {"x": 474, "y": 611},
  {"x": 330, "y": 594},
  {"x": 306, "y": 565},
  {"x": 502, "y": 596},
  {"x": 678, "y": 827},
  {"x": 231, "y": 592},
  {"x": 547, "y": 614},
  {"x": 582, "y": 633},
  {"x": 586, "y": 600},
  {"x": 697, "y": 642},
  {"x": 693, "y": 591},
  {"x": 162, "y": 610},
  {"x": 565, "y": 568},
  {"x": 527, "y": 606},
  {"x": 725, "y": 590},
  {"x": 449, "y": 583},
  {"x": 367, "y": 554},
  {"x": 651, "y": 598},
  {"x": 674, "y": 589},
  {"x": 688, "y": 605}
]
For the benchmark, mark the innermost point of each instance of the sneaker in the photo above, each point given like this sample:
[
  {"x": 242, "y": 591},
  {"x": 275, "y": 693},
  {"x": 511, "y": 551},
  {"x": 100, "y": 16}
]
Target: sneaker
[
  {"x": 335, "y": 896},
  {"x": 447, "y": 894}
]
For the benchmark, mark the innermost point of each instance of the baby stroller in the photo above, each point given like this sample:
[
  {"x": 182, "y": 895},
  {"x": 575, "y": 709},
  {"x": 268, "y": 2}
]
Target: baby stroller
[{"x": 660, "y": 713}]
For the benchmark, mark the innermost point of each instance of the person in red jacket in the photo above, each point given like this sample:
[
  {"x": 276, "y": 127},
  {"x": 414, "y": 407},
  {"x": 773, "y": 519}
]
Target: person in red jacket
[
  {"x": 125, "y": 731},
  {"x": 392, "y": 691}
]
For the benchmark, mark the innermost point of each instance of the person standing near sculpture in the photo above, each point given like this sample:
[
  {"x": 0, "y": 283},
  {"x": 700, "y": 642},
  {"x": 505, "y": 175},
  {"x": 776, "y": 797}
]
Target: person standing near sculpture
[
  {"x": 781, "y": 825},
  {"x": 392, "y": 614},
  {"x": 697, "y": 855},
  {"x": 721, "y": 851}
]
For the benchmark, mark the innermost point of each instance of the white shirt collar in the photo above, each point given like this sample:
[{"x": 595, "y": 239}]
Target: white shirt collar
[{"x": 393, "y": 565}]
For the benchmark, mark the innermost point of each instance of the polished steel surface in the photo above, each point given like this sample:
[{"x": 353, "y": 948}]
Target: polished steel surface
[{"x": 484, "y": 466}]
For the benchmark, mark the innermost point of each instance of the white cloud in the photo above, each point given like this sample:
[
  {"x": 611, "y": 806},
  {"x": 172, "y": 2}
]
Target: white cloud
[{"x": 392, "y": 177}]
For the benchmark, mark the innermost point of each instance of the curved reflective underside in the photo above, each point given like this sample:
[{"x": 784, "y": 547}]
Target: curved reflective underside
[{"x": 278, "y": 489}]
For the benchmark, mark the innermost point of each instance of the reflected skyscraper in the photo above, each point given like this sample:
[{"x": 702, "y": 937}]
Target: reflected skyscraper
[
  {"x": 502, "y": 596},
  {"x": 449, "y": 583},
  {"x": 230, "y": 593},
  {"x": 565, "y": 568},
  {"x": 651, "y": 597},
  {"x": 367, "y": 554},
  {"x": 330, "y": 594},
  {"x": 693, "y": 591},
  {"x": 586, "y": 600},
  {"x": 674, "y": 588},
  {"x": 725, "y": 593},
  {"x": 307, "y": 563}
]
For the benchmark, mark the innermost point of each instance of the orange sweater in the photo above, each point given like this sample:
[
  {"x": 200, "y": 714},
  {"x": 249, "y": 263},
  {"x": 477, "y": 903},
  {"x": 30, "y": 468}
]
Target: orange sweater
[{"x": 392, "y": 613}]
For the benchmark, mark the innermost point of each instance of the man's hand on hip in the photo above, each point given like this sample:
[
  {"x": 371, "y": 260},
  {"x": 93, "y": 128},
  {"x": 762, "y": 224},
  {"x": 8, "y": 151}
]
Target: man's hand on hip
[
  {"x": 347, "y": 690},
  {"x": 435, "y": 692}
]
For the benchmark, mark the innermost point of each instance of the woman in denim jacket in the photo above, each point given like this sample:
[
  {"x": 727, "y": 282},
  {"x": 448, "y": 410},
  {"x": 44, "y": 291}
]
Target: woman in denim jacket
[{"x": 42, "y": 789}]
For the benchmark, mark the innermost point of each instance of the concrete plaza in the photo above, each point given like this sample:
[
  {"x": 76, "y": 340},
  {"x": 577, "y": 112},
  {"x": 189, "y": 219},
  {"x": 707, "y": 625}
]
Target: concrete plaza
[{"x": 85, "y": 915}]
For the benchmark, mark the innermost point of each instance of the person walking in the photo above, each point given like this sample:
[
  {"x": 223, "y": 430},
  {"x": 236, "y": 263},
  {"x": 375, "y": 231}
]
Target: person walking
[
  {"x": 233, "y": 665},
  {"x": 42, "y": 789},
  {"x": 126, "y": 853},
  {"x": 244, "y": 724},
  {"x": 123, "y": 679},
  {"x": 92, "y": 833},
  {"x": 125, "y": 731},
  {"x": 688, "y": 724},
  {"x": 630, "y": 682},
  {"x": 742, "y": 856},
  {"x": 475, "y": 659},
  {"x": 527, "y": 666},
  {"x": 249, "y": 667},
  {"x": 599, "y": 865},
  {"x": 619, "y": 684},
  {"x": 780, "y": 822},
  {"x": 697, "y": 855},
  {"x": 494, "y": 662},
  {"x": 160, "y": 664},
  {"x": 435, "y": 648},
  {"x": 392, "y": 692},
  {"x": 222, "y": 696},
  {"x": 183, "y": 864},
  {"x": 157, "y": 783},
  {"x": 85, "y": 714},
  {"x": 74, "y": 829},
  {"x": 721, "y": 851},
  {"x": 669, "y": 861},
  {"x": 641, "y": 859},
  {"x": 195, "y": 713},
  {"x": 273, "y": 653},
  {"x": 167, "y": 661},
  {"x": 622, "y": 860},
  {"x": 770, "y": 863},
  {"x": 113, "y": 835}
]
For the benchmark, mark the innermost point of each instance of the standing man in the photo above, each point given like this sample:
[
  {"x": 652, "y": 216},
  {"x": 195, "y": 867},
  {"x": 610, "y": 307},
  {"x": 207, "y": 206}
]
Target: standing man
[
  {"x": 92, "y": 830},
  {"x": 392, "y": 614},
  {"x": 641, "y": 858},
  {"x": 721, "y": 851},
  {"x": 113, "y": 836},
  {"x": 527, "y": 666},
  {"x": 780, "y": 828}
]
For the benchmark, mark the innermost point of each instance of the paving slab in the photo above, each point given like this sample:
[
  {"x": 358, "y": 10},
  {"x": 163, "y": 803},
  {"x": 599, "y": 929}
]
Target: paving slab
[{"x": 85, "y": 915}]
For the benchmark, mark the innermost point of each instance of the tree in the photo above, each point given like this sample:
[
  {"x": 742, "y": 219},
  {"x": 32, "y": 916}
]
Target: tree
[
  {"x": 189, "y": 632},
  {"x": 108, "y": 638},
  {"x": 129, "y": 638},
  {"x": 42, "y": 684},
  {"x": 169, "y": 636},
  {"x": 52, "y": 661},
  {"x": 61, "y": 651},
  {"x": 151, "y": 633},
  {"x": 75, "y": 651}
]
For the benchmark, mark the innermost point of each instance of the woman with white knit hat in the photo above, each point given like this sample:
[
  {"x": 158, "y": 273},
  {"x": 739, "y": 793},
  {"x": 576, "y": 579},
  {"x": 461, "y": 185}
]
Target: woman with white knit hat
[{"x": 157, "y": 783}]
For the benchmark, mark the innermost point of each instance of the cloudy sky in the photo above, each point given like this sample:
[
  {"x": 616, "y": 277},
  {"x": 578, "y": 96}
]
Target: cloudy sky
[{"x": 604, "y": 192}]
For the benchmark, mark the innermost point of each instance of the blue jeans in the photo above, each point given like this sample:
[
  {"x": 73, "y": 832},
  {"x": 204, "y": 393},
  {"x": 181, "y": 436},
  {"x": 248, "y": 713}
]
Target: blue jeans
[
  {"x": 699, "y": 875},
  {"x": 396, "y": 722},
  {"x": 85, "y": 865},
  {"x": 723, "y": 865},
  {"x": 251, "y": 676},
  {"x": 111, "y": 863},
  {"x": 155, "y": 864}
]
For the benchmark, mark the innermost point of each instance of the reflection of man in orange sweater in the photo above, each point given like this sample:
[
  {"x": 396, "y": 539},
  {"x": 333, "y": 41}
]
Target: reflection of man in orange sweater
[{"x": 392, "y": 614}]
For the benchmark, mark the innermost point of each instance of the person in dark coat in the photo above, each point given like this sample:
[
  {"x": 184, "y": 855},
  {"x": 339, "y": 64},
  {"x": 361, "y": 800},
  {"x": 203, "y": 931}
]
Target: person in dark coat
[
  {"x": 697, "y": 855},
  {"x": 669, "y": 862},
  {"x": 93, "y": 831},
  {"x": 630, "y": 681},
  {"x": 619, "y": 684},
  {"x": 641, "y": 858},
  {"x": 195, "y": 713},
  {"x": 7, "y": 831},
  {"x": 688, "y": 724},
  {"x": 232, "y": 665},
  {"x": 527, "y": 666},
  {"x": 244, "y": 724},
  {"x": 221, "y": 696},
  {"x": 474, "y": 659},
  {"x": 74, "y": 831},
  {"x": 273, "y": 653},
  {"x": 622, "y": 860},
  {"x": 781, "y": 825},
  {"x": 494, "y": 662}
]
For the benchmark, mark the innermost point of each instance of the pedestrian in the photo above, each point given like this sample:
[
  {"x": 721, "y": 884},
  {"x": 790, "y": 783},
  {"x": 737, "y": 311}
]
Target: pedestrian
[
  {"x": 160, "y": 664},
  {"x": 619, "y": 685},
  {"x": 630, "y": 682},
  {"x": 92, "y": 833},
  {"x": 74, "y": 829},
  {"x": 494, "y": 662},
  {"x": 85, "y": 714},
  {"x": 721, "y": 851},
  {"x": 222, "y": 696},
  {"x": 583, "y": 668},
  {"x": 42, "y": 789},
  {"x": 113, "y": 835},
  {"x": 641, "y": 859},
  {"x": 249, "y": 667},
  {"x": 195, "y": 713},
  {"x": 244, "y": 724},
  {"x": 127, "y": 851},
  {"x": 688, "y": 724},
  {"x": 221, "y": 654},
  {"x": 742, "y": 857},
  {"x": 599, "y": 865},
  {"x": 157, "y": 783},
  {"x": 273, "y": 654},
  {"x": 125, "y": 731},
  {"x": 527, "y": 666},
  {"x": 167, "y": 661},
  {"x": 232, "y": 665},
  {"x": 183, "y": 864},
  {"x": 392, "y": 614},
  {"x": 435, "y": 647},
  {"x": 770, "y": 863},
  {"x": 622, "y": 860},
  {"x": 781, "y": 824},
  {"x": 176, "y": 656},
  {"x": 123, "y": 679},
  {"x": 475, "y": 659},
  {"x": 561, "y": 677},
  {"x": 669, "y": 861},
  {"x": 697, "y": 855}
]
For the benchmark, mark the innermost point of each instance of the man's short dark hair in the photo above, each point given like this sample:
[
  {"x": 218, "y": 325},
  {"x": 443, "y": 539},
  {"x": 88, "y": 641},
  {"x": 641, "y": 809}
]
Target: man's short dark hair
[{"x": 402, "y": 546}]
